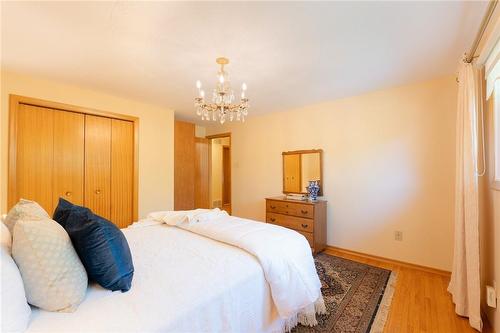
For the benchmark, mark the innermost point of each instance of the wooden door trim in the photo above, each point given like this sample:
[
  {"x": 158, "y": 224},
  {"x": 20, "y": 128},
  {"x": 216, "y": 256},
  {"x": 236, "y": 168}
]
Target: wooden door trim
[
  {"x": 16, "y": 100},
  {"x": 308, "y": 151},
  {"x": 228, "y": 147},
  {"x": 12, "y": 153},
  {"x": 221, "y": 135}
]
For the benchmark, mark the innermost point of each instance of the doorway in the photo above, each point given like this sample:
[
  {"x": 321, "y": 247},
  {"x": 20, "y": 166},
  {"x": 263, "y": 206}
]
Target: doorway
[{"x": 220, "y": 171}]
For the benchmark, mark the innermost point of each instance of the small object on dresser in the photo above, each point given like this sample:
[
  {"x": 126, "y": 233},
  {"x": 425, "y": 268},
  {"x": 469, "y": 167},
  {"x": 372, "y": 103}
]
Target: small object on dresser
[
  {"x": 295, "y": 196},
  {"x": 313, "y": 190}
]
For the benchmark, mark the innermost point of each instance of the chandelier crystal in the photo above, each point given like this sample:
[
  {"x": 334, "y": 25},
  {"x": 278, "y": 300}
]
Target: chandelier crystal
[{"x": 223, "y": 106}]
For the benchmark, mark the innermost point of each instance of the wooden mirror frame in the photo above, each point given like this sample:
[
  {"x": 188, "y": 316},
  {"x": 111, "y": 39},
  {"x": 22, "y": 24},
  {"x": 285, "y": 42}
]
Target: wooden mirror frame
[{"x": 310, "y": 151}]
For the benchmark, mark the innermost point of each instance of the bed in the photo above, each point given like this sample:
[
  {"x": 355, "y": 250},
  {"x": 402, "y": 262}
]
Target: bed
[
  {"x": 183, "y": 282},
  {"x": 202, "y": 272}
]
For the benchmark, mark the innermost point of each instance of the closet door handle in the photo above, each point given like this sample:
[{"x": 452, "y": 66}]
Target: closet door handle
[
  {"x": 303, "y": 211},
  {"x": 97, "y": 191},
  {"x": 68, "y": 193},
  {"x": 304, "y": 225}
]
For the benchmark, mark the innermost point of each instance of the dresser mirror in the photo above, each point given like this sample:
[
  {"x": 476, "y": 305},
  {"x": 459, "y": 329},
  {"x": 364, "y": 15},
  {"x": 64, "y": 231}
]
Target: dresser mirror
[{"x": 300, "y": 167}]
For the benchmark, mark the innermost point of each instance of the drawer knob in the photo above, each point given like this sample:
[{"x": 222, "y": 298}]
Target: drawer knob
[
  {"x": 97, "y": 191},
  {"x": 272, "y": 219},
  {"x": 304, "y": 225},
  {"x": 272, "y": 207},
  {"x": 303, "y": 211},
  {"x": 68, "y": 194}
]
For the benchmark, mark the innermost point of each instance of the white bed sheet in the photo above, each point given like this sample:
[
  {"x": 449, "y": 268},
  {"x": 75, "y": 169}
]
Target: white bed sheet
[{"x": 182, "y": 283}]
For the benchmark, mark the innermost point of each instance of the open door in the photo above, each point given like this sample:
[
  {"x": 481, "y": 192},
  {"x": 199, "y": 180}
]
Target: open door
[{"x": 220, "y": 171}]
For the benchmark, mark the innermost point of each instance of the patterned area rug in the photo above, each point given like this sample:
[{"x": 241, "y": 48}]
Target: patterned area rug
[{"x": 357, "y": 296}]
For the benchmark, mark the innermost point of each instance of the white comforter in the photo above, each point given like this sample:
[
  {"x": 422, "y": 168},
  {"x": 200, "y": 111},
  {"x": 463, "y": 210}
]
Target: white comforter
[
  {"x": 182, "y": 283},
  {"x": 284, "y": 255}
]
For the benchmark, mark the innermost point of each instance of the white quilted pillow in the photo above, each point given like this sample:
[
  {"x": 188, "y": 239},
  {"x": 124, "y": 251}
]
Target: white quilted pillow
[
  {"x": 5, "y": 237},
  {"x": 15, "y": 310},
  {"x": 54, "y": 277},
  {"x": 24, "y": 209}
]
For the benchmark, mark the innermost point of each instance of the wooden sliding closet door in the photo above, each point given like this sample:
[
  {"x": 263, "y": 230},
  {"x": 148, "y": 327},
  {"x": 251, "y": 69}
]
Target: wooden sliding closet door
[
  {"x": 98, "y": 165},
  {"x": 69, "y": 143},
  {"x": 122, "y": 172},
  {"x": 86, "y": 156},
  {"x": 34, "y": 156}
]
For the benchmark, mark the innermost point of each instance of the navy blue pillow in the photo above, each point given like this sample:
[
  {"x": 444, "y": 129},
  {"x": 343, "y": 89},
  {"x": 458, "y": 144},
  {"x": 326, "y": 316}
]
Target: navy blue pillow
[
  {"x": 62, "y": 212},
  {"x": 101, "y": 246}
]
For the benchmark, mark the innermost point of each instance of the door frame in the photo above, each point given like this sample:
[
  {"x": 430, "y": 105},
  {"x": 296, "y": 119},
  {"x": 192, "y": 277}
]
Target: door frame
[
  {"x": 217, "y": 136},
  {"x": 224, "y": 171},
  {"x": 16, "y": 100}
]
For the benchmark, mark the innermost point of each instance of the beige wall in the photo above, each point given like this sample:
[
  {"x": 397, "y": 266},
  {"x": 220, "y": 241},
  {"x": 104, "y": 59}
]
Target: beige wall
[
  {"x": 155, "y": 134},
  {"x": 389, "y": 164},
  {"x": 489, "y": 208}
]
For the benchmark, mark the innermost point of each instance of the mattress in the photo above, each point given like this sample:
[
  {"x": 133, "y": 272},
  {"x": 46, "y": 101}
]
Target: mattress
[{"x": 182, "y": 283}]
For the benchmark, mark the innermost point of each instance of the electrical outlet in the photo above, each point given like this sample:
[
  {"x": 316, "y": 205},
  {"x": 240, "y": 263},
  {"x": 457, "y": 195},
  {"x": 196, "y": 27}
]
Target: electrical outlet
[
  {"x": 491, "y": 297},
  {"x": 398, "y": 235}
]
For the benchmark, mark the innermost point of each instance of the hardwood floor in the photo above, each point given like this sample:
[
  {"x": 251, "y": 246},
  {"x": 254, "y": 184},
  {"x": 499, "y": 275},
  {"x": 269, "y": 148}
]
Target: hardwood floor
[{"x": 420, "y": 303}]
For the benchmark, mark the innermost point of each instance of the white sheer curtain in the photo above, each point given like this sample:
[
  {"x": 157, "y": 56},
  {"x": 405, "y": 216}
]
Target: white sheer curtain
[{"x": 465, "y": 281}]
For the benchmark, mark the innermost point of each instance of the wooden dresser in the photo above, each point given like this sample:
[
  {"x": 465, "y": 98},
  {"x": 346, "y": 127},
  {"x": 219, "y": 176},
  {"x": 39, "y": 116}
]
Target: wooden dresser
[{"x": 308, "y": 218}]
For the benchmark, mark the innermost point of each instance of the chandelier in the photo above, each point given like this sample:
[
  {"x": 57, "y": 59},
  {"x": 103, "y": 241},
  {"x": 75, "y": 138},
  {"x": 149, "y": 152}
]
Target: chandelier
[{"x": 223, "y": 104}]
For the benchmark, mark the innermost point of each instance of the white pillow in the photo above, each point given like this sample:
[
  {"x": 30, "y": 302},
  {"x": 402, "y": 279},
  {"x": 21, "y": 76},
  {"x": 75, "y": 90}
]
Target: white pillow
[
  {"x": 177, "y": 217},
  {"x": 24, "y": 209},
  {"x": 53, "y": 275},
  {"x": 15, "y": 309},
  {"x": 207, "y": 216},
  {"x": 5, "y": 237}
]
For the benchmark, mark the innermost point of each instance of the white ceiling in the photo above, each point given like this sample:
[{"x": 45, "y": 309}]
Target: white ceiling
[{"x": 289, "y": 53}]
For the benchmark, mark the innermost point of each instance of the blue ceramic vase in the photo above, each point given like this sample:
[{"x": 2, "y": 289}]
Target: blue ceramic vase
[{"x": 313, "y": 190}]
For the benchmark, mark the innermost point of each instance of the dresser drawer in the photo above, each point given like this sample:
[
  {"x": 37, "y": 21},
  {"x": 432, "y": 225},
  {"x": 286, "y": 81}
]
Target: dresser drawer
[
  {"x": 289, "y": 208},
  {"x": 292, "y": 222},
  {"x": 309, "y": 236}
]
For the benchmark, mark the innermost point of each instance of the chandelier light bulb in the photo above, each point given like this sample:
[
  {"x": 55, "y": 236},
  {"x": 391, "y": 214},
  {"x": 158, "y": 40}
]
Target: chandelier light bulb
[
  {"x": 244, "y": 86},
  {"x": 198, "y": 84},
  {"x": 221, "y": 78},
  {"x": 202, "y": 93}
]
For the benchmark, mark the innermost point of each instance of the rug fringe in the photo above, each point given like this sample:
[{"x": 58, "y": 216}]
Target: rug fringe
[
  {"x": 384, "y": 306},
  {"x": 306, "y": 316}
]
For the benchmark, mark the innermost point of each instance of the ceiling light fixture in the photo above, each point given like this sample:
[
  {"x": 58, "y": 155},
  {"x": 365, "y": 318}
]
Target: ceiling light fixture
[{"x": 222, "y": 106}]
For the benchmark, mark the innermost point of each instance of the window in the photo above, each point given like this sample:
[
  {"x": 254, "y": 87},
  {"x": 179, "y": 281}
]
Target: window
[{"x": 492, "y": 71}]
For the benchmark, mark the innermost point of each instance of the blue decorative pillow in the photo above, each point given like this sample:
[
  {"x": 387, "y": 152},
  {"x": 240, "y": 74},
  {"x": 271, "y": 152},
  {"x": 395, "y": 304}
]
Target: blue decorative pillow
[
  {"x": 62, "y": 212},
  {"x": 101, "y": 246}
]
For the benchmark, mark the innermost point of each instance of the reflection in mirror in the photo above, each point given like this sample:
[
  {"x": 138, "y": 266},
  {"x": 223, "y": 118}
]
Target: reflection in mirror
[
  {"x": 310, "y": 166},
  {"x": 300, "y": 167}
]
